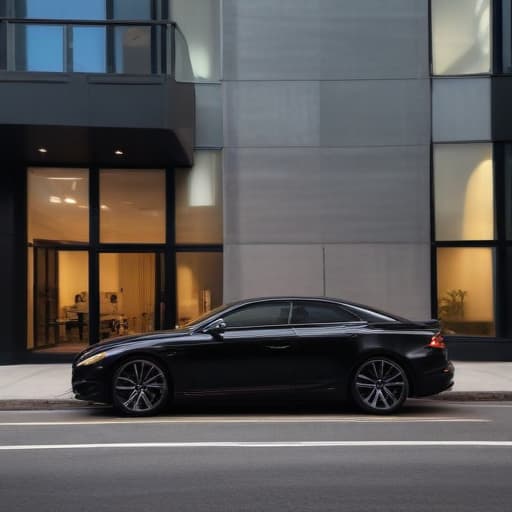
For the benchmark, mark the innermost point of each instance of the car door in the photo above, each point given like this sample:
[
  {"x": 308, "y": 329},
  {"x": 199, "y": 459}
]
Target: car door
[
  {"x": 327, "y": 337},
  {"x": 249, "y": 356}
]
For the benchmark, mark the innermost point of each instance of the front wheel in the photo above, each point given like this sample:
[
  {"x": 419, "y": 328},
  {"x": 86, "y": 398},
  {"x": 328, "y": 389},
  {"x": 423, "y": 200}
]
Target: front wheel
[
  {"x": 379, "y": 386},
  {"x": 140, "y": 387}
]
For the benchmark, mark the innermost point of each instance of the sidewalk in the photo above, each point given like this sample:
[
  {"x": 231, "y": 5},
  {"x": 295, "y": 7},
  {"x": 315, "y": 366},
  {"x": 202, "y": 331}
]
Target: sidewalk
[{"x": 49, "y": 385}]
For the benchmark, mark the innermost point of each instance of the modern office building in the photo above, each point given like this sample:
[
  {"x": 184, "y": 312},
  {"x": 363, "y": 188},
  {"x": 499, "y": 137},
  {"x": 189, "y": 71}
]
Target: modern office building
[{"x": 159, "y": 157}]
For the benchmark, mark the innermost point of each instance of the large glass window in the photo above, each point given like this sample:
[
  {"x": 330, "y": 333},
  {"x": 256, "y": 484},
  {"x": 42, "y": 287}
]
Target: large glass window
[
  {"x": 199, "y": 200},
  {"x": 200, "y": 23},
  {"x": 39, "y": 48},
  {"x": 461, "y": 38},
  {"x": 464, "y": 196},
  {"x": 132, "y": 50},
  {"x": 58, "y": 204},
  {"x": 89, "y": 45},
  {"x": 199, "y": 284},
  {"x": 61, "y": 9},
  {"x": 465, "y": 284},
  {"x": 132, "y": 206},
  {"x": 127, "y": 293}
]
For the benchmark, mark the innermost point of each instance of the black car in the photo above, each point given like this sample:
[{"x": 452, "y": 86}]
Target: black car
[{"x": 293, "y": 346}]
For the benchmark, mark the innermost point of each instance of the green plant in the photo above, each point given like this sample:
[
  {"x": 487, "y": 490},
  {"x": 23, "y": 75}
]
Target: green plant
[{"x": 451, "y": 304}]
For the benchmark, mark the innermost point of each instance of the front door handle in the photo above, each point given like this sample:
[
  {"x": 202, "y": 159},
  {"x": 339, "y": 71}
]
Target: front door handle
[{"x": 278, "y": 347}]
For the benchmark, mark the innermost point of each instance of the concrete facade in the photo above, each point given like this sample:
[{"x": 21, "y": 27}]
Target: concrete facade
[{"x": 326, "y": 121}]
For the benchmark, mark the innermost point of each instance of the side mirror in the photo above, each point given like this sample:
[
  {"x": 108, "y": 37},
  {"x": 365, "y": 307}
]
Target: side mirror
[{"x": 216, "y": 328}]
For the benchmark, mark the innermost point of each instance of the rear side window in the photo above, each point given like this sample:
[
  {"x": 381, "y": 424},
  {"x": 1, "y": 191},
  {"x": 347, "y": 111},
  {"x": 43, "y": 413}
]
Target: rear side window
[
  {"x": 310, "y": 312},
  {"x": 254, "y": 315}
]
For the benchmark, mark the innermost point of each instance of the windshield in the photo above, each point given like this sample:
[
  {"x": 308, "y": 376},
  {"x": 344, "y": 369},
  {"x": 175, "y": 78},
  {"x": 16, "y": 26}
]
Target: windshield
[{"x": 205, "y": 316}]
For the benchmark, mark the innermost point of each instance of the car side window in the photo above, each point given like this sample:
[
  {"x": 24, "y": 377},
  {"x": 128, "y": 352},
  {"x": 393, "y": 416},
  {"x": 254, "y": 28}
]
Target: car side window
[
  {"x": 311, "y": 312},
  {"x": 260, "y": 314}
]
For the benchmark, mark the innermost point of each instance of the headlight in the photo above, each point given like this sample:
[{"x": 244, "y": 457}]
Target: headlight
[{"x": 93, "y": 359}]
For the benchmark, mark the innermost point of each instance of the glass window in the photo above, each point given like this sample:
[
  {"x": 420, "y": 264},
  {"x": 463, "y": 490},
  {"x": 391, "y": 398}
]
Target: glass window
[
  {"x": 461, "y": 38},
  {"x": 464, "y": 196},
  {"x": 132, "y": 9},
  {"x": 199, "y": 200},
  {"x": 508, "y": 190},
  {"x": 89, "y": 44},
  {"x": 39, "y": 48},
  {"x": 267, "y": 313},
  {"x": 132, "y": 50},
  {"x": 199, "y": 284},
  {"x": 58, "y": 204},
  {"x": 132, "y": 206},
  {"x": 61, "y": 9},
  {"x": 465, "y": 284},
  {"x": 127, "y": 293},
  {"x": 200, "y": 23},
  {"x": 319, "y": 313}
]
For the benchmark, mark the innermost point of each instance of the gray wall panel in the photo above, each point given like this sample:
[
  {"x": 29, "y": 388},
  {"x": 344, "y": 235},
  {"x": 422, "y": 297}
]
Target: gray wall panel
[
  {"x": 461, "y": 109},
  {"x": 208, "y": 116},
  {"x": 375, "y": 112},
  {"x": 272, "y": 113},
  {"x": 310, "y": 195},
  {"x": 395, "y": 278},
  {"x": 325, "y": 39},
  {"x": 261, "y": 270}
]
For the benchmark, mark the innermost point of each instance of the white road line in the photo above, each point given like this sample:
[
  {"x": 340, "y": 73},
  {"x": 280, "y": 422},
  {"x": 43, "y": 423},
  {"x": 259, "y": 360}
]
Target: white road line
[
  {"x": 242, "y": 420},
  {"x": 277, "y": 444}
]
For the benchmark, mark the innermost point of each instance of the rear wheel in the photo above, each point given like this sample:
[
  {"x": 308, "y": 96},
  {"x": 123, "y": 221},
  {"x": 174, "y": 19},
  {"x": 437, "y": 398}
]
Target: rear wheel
[
  {"x": 380, "y": 386},
  {"x": 140, "y": 387}
]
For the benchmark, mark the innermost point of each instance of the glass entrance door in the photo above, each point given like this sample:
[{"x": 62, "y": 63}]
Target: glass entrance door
[{"x": 131, "y": 298}]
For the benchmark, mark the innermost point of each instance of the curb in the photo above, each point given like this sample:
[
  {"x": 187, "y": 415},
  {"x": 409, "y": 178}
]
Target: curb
[
  {"x": 16, "y": 404},
  {"x": 474, "y": 396}
]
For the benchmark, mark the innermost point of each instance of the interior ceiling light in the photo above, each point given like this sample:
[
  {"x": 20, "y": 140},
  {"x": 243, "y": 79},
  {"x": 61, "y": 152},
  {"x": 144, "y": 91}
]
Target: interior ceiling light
[
  {"x": 70, "y": 200},
  {"x": 104, "y": 207},
  {"x": 55, "y": 199},
  {"x": 119, "y": 152},
  {"x": 42, "y": 150},
  {"x": 64, "y": 178}
]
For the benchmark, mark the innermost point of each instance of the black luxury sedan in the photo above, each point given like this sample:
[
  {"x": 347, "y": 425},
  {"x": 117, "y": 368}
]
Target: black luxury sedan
[{"x": 289, "y": 346}]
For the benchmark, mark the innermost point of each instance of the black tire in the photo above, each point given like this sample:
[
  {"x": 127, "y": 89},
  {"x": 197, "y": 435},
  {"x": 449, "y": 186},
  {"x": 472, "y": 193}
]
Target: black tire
[
  {"x": 140, "y": 387},
  {"x": 379, "y": 386}
]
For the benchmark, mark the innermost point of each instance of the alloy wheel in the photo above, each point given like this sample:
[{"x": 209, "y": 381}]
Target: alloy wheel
[
  {"x": 139, "y": 387},
  {"x": 380, "y": 385}
]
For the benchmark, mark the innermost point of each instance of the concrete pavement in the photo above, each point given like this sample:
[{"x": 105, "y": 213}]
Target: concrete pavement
[{"x": 49, "y": 385}]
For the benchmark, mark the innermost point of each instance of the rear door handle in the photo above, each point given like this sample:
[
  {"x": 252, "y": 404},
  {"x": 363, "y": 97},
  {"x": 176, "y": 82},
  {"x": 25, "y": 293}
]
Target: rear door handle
[{"x": 278, "y": 347}]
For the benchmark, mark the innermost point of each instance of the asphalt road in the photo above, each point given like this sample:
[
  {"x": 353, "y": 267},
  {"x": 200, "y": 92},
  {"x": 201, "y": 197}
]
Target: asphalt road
[{"x": 435, "y": 456}]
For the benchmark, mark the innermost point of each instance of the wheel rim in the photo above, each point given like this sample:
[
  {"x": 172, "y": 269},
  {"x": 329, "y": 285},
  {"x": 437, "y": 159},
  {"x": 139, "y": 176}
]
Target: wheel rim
[
  {"x": 140, "y": 386},
  {"x": 381, "y": 384}
]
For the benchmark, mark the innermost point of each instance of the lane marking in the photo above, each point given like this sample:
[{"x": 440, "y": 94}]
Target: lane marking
[
  {"x": 243, "y": 420},
  {"x": 277, "y": 444}
]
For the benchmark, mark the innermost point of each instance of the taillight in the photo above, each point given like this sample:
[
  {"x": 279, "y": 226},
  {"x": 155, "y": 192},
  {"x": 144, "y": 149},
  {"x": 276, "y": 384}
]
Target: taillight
[{"x": 437, "y": 341}]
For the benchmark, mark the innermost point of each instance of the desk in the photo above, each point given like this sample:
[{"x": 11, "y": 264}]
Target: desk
[{"x": 112, "y": 324}]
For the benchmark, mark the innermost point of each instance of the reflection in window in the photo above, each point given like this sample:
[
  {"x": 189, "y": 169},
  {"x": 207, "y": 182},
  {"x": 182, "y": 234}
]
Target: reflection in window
[
  {"x": 39, "y": 48},
  {"x": 199, "y": 284},
  {"x": 461, "y": 37},
  {"x": 58, "y": 204},
  {"x": 274, "y": 313},
  {"x": 464, "y": 204},
  {"x": 199, "y": 200},
  {"x": 319, "y": 313},
  {"x": 61, "y": 9},
  {"x": 132, "y": 9},
  {"x": 132, "y": 204},
  {"x": 465, "y": 284},
  {"x": 89, "y": 45},
  {"x": 132, "y": 50},
  {"x": 200, "y": 23}
]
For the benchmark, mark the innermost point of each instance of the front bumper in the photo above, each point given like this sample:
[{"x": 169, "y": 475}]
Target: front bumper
[
  {"x": 91, "y": 383},
  {"x": 437, "y": 381}
]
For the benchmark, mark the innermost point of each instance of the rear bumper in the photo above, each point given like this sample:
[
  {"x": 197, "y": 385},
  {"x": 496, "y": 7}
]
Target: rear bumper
[{"x": 437, "y": 381}]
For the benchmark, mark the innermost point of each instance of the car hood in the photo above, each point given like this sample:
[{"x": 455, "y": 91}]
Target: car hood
[{"x": 118, "y": 341}]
